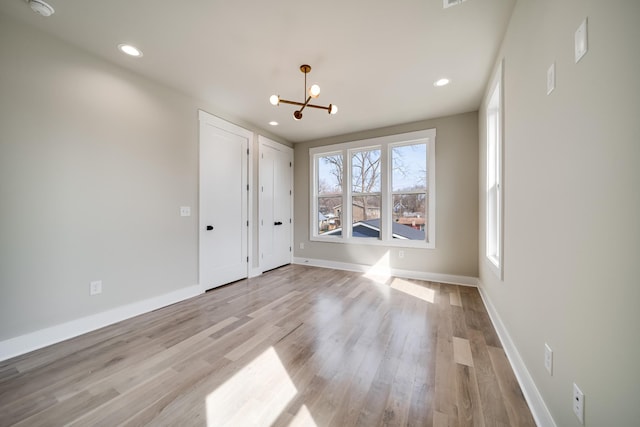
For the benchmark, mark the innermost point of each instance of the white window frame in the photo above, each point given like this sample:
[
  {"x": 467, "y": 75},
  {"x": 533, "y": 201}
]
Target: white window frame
[
  {"x": 494, "y": 189},
  {"x": 385, "y": 144}
]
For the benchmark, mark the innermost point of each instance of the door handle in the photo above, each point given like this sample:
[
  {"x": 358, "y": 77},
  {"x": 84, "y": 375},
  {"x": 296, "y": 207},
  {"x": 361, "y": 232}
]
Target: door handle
[
  {"x": 277, "y": 223},
  {"x": 209, "y": 227}
]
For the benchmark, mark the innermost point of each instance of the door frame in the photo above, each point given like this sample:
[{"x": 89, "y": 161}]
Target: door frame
[
  {"x": 219, "y": 123},
  {"x": 264, "y": 141}
]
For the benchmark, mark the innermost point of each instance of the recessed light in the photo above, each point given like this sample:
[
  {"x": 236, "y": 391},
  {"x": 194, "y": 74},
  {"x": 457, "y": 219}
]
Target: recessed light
[
  {"x": 130, "y": 50},
  {"x": 272, "y": 123},
  {"x": 441, "y": 82}
]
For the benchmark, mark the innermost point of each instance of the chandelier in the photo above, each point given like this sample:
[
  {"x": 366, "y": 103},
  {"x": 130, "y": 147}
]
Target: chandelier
[{"x": 313, "y": 92}]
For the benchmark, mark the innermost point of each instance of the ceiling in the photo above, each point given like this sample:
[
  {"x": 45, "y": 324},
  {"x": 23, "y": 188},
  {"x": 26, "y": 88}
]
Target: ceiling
[{"x": 376, "y": 60}]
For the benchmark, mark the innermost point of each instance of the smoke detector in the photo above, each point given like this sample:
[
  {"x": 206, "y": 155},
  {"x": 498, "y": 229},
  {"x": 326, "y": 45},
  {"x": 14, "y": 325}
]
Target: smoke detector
[{"x": 41, "y": 8}]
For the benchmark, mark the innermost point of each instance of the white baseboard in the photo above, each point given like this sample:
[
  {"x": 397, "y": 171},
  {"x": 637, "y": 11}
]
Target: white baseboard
[
  {"x": 407, "y": 274},
  {"x": 539, "y": 409},
  {"x": 44, "y": 337}
]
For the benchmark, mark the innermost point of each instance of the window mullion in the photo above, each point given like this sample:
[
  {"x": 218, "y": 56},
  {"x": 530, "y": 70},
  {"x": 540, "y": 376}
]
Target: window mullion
[
  {"x": 347, "y": 214},
  {"x": 385, "y": 188}
]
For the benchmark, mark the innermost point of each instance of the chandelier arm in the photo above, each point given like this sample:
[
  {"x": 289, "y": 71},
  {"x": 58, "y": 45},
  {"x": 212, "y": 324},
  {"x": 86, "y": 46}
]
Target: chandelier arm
[
  {"x": 317, "y": 106},
  {"x": 305, "y": 104},
  {"x": 331, "y": 109},
  {"x": 284, "y": 101}
]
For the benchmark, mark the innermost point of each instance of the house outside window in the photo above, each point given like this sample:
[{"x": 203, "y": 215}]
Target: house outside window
[{"x": 391, "y": 197}]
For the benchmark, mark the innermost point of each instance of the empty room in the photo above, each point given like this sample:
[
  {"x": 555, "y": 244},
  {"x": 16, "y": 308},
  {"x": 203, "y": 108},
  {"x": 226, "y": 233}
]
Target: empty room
[{"x": 339, "y": 213}]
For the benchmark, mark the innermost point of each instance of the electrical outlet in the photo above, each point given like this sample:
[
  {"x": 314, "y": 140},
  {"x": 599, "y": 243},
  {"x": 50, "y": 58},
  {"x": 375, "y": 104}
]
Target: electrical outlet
[
  {"x": 581, "y": 45},
  {"x": 95, "y": 287},
  {"x": 551, "y": 78},
  {"x": 548, "y": 358},
  {"x": 400, "y": 254},
  {"x": 578, "y": 403},
  {"x": 185, "y": 210},
  {"x": 301, "y": 245}
]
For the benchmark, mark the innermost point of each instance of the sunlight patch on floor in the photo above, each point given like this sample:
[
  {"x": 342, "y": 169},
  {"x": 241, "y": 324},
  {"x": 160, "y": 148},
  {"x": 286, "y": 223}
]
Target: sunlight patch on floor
[
  {"x": 413, "y": 289},
  {"x": 255, "y": 396},
  {"x": 380, "y": 272},
  {"x": 303, "y": 418}
]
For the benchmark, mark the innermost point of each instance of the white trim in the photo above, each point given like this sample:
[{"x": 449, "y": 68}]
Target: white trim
[
  {"x": 254, "y": 272},
  {"x": 385, "y": 144},
  {"x": 495, "y": 262},
  {"x": 407, "y": 274},
  {"x": 44, "y": 337},
  {"x": 247, "y": 176},
  {"x": 263, "y": 141},
  {"x": 538, "y": 408}
]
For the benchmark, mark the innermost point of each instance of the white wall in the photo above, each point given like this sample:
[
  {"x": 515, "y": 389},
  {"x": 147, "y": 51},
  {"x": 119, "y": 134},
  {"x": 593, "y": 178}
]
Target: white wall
[
  {"x": 95, "y": 162},
  {"x": 456, "y": 203},
  {"x": 572, "y": 205}
]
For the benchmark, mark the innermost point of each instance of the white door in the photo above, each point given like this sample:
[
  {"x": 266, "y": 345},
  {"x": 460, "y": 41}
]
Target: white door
[
  {"x": 276, "y": 203},
  {"x": 223, "y": 201}
]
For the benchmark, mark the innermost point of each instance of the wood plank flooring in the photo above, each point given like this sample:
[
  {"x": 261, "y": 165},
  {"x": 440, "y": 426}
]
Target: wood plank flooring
[{"x": 297, "y": 346}]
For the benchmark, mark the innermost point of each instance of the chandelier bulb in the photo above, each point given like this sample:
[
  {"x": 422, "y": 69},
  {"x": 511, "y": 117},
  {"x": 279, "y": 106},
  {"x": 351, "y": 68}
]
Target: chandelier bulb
[
  {"x": 333, "y": 109},
  {"x": 314, "y": 91},
  {"x": 274, "y": 100}
]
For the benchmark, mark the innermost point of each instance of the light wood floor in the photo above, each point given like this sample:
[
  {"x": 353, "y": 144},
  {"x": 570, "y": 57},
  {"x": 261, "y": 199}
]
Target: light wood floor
[{"x": 296, "y": 346}]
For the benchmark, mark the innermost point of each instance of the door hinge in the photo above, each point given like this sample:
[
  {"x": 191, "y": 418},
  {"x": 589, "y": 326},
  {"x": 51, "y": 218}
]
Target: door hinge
[
  {"x": 290, "y": 193},
  {"x": 247, "y": 187},
  {"x": 290, "y": 164},
  {"x": 247, "y": 151},
  {"x": 289, "y": 220},
  {"x": 289, "y": 248},
  {"x": 247, "y": 259},
  {"x": 247, "y": 223}
]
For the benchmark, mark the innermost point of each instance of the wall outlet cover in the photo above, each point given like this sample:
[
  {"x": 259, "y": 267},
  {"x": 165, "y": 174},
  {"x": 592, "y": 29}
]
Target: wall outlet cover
[
  {"x": 95, "y": 287},
  {"x": 578, "y": 403},
  {"x": 581, "y": 45},
  {"x": 548, "y": 359},
  {"x": 551, "y": 78}
]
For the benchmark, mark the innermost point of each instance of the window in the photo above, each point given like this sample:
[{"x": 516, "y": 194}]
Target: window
[
  {"x": 390, "y": 199},
  {"x": 494, "y": 177},
  {"x": 366, "y": 194}
]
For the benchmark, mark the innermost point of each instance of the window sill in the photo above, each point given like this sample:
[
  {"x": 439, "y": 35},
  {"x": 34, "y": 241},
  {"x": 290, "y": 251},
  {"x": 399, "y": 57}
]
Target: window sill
[
  {"x": 395, "y": 243},
  {"x": 494, "y": 266}
]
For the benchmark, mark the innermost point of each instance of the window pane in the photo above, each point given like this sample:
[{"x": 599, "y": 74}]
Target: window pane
[
  {"x": 365, "y": 211},
  {"x": 409, "y": 216},
  {"x": 409, "y": 167},
  {"x": 329, "y": 215},
  {"x": 365, "y": 171},
  {"x": 330, "y": 174}
]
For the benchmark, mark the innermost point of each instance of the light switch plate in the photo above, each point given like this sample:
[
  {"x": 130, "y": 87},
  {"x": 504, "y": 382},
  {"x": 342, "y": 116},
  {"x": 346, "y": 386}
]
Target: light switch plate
[
  {"x": 581, "y": 41},
  {"x": 548, "y": 359},
  {"x": 185, "y": 211},
  {"x": 551, "y": 78}
]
